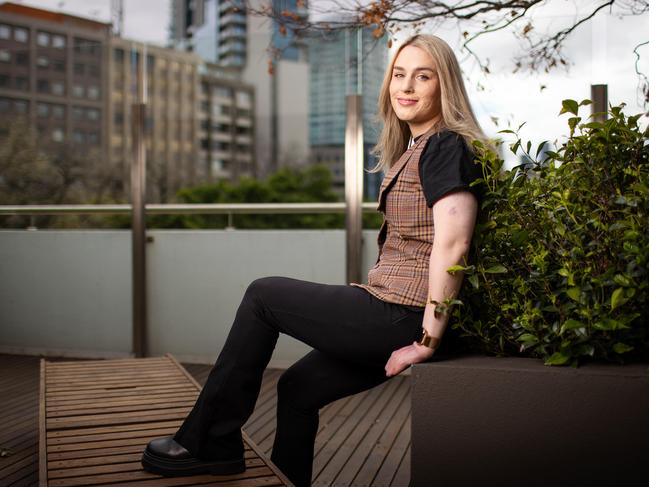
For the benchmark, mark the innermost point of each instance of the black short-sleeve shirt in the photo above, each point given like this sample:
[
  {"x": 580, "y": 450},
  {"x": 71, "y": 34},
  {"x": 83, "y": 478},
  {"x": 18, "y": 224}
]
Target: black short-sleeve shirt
[{"x": 447, "y": 165}]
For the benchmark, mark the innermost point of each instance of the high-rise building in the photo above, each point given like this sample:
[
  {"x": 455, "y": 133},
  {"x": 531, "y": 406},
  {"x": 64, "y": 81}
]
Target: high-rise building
[
  {"x": 213, "y": 29},
  {"x": 223, "y": 33},
  {"x": 227, "y": 127},
  {"x": 172, "y": 121},
  {"x": 76, "y": 85},
  {"x": 54, "y": 72},
  {"x": 343, "y": 63}
]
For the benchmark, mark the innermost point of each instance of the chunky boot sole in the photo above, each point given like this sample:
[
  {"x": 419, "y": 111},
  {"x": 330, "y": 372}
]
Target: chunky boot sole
[{"x": 178, "y": 468}]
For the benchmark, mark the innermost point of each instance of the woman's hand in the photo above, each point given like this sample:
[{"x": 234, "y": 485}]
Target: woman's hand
[{"x": 404, "y": 357}]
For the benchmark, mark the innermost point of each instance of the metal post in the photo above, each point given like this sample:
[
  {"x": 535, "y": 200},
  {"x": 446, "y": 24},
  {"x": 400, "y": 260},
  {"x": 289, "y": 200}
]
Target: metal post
[
  {"x": 354, "y": 187},
  {"x": 599, "y": 97},
  {"x": 138, "y": 223}
]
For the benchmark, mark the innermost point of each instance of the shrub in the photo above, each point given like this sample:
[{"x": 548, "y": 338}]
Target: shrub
[{"x": 560, "y": 250}]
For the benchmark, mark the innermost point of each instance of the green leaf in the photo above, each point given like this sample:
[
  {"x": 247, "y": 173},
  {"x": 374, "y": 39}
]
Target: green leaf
[
  {"x": 621, "y": 280},
  {"x": 573, "y": 121},
  {"x": 618, "y": 298},
  {"x": 570, "y": 325},
  {"x": 570, "y": 106},
  {"x": 609, "y": 324},
  {"x": 528, "y": 338},
  {"x": 594, "y": 125},
  {"x": 496, "y": 269},
  {"x": 574, "y": 293},
  {"x": 620, "y": 347},
  {"x": 474, "y": 281},
  {"x": 455, "y": 268},
  {"x": 557, "y": 358}
]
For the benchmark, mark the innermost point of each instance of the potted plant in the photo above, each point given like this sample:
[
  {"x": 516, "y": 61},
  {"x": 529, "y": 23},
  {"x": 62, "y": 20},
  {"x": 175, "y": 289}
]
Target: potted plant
[{"x": 558, "y": 272}]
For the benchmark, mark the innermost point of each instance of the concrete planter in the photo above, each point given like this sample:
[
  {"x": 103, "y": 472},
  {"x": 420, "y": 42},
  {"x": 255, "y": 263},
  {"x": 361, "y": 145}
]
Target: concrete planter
[{"x": 487, "y": 421}]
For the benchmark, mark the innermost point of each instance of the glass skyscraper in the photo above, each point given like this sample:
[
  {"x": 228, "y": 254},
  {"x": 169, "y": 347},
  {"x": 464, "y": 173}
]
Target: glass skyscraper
[{"x": 344, "y": 63}]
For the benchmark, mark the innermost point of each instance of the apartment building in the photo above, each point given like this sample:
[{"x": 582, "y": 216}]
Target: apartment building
[
  {"x": 222, "y": 32},
  {"x": 227, "y": 124},
  {"x": 171, "y": 88},
  {"x": 53, "y": 73}
]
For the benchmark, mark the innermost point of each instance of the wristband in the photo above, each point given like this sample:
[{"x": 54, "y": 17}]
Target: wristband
[{"x": 429, "y": 341}]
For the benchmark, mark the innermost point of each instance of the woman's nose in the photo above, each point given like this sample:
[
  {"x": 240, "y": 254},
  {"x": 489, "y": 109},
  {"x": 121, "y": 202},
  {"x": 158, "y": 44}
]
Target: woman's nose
[{"x": 408, "y": 85}]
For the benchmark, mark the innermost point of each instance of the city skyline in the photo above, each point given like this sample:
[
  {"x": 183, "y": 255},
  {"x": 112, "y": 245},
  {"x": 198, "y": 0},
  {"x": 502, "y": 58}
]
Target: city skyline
[{"x": 599, "y": 51}]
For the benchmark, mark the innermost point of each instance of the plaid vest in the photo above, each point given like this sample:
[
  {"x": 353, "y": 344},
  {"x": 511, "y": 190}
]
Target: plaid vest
[{"x": 405, "y": 239}]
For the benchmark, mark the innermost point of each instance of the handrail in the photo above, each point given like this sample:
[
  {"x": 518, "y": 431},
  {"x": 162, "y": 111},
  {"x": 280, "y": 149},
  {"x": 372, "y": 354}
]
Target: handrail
[{"x": 183, "y": 209}]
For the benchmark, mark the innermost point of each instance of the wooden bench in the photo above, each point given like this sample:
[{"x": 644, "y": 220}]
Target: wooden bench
[{"x": 96, "y": 417}]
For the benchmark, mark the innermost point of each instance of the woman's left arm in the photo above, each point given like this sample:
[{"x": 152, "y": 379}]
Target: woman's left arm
[{"x": 454, "y": 217}]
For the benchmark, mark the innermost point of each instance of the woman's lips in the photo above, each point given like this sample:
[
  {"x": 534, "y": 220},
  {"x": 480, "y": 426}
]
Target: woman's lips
[{"x": 406, "y": 101}]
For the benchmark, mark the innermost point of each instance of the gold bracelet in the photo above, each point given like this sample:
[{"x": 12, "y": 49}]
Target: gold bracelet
[{"x": 429, "y": 341}]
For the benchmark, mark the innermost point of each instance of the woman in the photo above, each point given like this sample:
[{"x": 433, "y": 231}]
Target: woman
[{"x": 361, "y": 334}]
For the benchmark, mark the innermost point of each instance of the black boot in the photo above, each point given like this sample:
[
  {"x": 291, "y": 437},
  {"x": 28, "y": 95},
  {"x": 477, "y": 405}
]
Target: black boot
[{"x": 165, "y": 456}]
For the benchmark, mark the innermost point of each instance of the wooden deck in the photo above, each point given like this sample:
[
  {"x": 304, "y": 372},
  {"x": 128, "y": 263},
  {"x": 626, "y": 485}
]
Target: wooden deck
[{"x": 363, "y": 440}]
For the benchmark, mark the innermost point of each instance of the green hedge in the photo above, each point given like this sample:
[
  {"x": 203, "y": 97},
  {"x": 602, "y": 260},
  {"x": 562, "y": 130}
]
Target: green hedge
[{"x": 561, "y": 246}]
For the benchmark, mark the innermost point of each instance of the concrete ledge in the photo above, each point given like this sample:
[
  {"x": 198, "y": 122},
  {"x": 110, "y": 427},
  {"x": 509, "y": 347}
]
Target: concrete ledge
[{"x": 515, "y": 422}]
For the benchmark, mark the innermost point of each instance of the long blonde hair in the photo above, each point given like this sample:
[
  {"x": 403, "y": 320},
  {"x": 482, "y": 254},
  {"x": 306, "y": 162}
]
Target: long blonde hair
[{"x": 456, "y": 115}]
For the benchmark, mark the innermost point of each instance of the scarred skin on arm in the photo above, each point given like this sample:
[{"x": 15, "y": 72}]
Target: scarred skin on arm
[{"x": 454, "y": 217}]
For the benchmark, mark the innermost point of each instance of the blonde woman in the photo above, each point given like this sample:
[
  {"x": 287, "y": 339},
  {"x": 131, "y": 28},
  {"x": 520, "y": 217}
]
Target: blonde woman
[{"x": 361, "y": 334}]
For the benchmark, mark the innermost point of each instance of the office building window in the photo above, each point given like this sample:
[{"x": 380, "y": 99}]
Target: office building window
[
  {"x": 58, "y": 65},
  {"x": 58, "y": 135},
  {"x": 223, "y": 92},
  {"x": 58, "y": 41},
  {"x": 22, "y": 58},
  {"x": 77, "y": 113},
  {"x": 42, "y": 62},
  {"x": 5, "y": 105},
  {"x": 43, "y": 110},
  {"x": 20, "y": 34},
  {"x": 86, "y": 46},
  {"x": 78, "y": 91},
  {"x": 22, "y": 83},
  {"x": 243, "y": 98},
  {"x": 93, "y": 92},
  {"x": 92, "y": 114},
  {"x": 118, "y": 55},
  {"x": 93, "y": 138},
  {"x": 58, "y": 111},
  {"x": 43, "y": 86},
  {"x": 21, "y": 106},
  {"x": 93, "y": 70},
  {"x": 58, "y": 88},
  {"x": 43, "y": 39},
  {"x": 79, "y": 68},
  {"x": 5, "y": 31},
  {"x": 79, "y": 137},
  {"x": 5, "y": 56}
]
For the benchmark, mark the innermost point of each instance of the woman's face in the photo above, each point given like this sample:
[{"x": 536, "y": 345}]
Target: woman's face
[{"x": 414, "y": 89}]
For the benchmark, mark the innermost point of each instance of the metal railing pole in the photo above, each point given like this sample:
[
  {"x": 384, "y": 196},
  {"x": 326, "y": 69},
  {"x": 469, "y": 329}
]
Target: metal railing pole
[
  {"x": 354, "y": 188},
  {"x": 599, "y": 97},
  {"x": 138, "y": 222}
]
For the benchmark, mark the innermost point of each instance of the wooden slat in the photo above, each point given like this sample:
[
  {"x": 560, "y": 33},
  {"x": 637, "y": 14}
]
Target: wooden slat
[
  {"x": 19, "y": 427},
  {"x": 42, "y": 433},
  {"x": 96, "y": 425}
]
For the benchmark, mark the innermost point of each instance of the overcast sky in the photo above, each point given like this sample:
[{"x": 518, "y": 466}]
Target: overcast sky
[{"x": 515, "y": 98}]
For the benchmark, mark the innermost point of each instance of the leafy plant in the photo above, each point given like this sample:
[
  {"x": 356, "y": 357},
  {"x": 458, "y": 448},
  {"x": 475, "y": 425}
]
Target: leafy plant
[{"x": 560, "y": 250}]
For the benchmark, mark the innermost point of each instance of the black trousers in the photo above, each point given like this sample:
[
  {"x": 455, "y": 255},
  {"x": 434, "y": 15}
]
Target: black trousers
[{"x": 352, "y": 333}]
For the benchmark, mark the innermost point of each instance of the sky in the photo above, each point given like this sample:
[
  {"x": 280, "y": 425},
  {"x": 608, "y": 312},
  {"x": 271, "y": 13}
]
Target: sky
[{"x": 600, "y": 51}]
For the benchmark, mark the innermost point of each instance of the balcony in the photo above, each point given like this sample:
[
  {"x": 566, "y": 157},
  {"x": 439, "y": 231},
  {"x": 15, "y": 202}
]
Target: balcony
[{"x": 67, "y": 294}]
